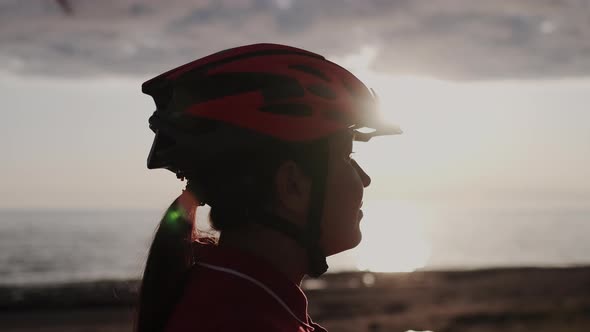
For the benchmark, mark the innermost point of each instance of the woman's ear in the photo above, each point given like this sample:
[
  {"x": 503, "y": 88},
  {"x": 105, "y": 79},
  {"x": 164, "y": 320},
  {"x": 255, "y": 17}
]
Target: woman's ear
[{"x": 293, "y": 190}]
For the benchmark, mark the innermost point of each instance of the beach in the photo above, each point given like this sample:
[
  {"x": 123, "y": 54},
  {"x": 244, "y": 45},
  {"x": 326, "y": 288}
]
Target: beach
[{"x": 514, "y": 299}]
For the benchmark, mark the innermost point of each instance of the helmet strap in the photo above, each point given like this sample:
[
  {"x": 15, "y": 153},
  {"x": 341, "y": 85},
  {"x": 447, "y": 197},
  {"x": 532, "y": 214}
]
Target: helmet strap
[
  {"x": 281, "y": 225},
  {"x": 317, "y": 264},
  {"x": 316, "y": 259},
  {"x": 309, "y": 237}
]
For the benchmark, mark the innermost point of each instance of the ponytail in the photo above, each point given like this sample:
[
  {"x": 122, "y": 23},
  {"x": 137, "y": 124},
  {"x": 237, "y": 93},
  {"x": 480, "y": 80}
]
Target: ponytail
[{"x": 170, "y": 256}]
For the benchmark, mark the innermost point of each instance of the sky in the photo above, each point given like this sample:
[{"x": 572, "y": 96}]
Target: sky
[{"x": 492, "y": 96}]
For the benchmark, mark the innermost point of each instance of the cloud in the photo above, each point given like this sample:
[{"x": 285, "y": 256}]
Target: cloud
[{"x": 454, "y": 39}]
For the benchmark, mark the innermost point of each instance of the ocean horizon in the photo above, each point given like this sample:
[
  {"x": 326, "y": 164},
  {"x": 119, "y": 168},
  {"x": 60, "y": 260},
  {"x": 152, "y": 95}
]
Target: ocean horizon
[{"x": 57, "y": 246}]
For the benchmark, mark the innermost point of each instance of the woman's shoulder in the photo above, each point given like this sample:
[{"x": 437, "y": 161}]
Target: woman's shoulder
[
  {"x": 228, "y": 288},
  {"x": 218, "y": 284},
  {"x": 217, "y": 301}
]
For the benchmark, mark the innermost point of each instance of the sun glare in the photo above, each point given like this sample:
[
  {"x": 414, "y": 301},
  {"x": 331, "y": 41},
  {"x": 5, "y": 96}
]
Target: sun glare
[
  {"x": 393, "y": 231},
  {"x": 393, "y": 237}
]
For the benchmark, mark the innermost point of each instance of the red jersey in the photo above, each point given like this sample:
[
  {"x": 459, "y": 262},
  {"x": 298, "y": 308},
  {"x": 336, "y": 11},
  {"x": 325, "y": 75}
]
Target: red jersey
[{"x": 231, "y": 290}]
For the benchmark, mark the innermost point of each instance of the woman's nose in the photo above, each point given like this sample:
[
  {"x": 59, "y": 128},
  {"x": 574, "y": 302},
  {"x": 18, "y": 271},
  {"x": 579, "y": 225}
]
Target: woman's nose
[{"x": 365, "y": 178}]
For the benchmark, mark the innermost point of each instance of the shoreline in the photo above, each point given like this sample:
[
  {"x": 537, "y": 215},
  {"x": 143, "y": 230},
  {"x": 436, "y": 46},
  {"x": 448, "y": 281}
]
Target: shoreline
[
  {"x": 123, "y": 292},
  {"x": 498, "y": 299}
]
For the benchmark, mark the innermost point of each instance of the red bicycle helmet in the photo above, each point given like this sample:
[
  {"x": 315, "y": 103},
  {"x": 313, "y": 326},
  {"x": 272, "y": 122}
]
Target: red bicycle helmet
[{"x": 269, "y": 91}]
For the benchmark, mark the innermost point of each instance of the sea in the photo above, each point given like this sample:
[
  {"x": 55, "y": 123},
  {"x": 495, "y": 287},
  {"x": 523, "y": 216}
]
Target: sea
[{"x": 60, "y": 246}]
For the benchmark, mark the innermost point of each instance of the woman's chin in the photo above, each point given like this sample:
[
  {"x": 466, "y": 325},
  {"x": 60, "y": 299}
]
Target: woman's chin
[
  {"x": 358, "y": 239},
  {"x": 353, "y": 242}
]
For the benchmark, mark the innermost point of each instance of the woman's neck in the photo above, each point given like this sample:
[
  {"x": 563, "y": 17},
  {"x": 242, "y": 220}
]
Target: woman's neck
[{"x": 279, "y": 250}]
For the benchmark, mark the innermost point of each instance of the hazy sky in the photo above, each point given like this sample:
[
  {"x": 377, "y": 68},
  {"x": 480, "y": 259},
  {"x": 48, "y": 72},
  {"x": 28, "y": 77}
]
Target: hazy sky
[{"x": 493, "y": 97}]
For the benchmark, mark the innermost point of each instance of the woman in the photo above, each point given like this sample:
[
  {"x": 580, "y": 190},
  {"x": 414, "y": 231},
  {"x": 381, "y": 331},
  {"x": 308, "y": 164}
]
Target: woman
[{"x": 263, "y": 134}]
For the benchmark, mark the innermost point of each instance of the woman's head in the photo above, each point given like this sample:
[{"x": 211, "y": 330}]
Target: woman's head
[{"x": 251, "y": 109}]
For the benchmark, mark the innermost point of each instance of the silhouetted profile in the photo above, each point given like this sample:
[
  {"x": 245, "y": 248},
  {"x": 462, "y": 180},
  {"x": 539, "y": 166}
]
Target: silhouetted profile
[{"x": 263, "y": 134}]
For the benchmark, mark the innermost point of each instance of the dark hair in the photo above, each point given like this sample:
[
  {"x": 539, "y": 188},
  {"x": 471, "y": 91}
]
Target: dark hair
[
  {"x": 168, "y": 260},
  {"x": 234, "y": 186}
]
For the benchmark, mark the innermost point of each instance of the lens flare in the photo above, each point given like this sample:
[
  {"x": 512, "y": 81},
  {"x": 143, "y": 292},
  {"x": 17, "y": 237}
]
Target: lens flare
[{"x": 173, "y": 216}]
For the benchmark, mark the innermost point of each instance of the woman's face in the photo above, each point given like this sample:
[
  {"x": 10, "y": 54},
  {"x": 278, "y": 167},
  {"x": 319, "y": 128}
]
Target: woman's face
[{"x": 344, "y": 193}]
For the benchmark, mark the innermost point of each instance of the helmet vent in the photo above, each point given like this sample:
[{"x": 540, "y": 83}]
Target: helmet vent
[
  {"x": 288, "y": 109},
  {"x": 272, "y": 86},
  {"x": 282, "y": 88},
  {"x": 335, "y": 115},
  {"x": 322, "y": 90},
  {"x": 311, "y": 71},
  {"x": 353, "y": 92}
]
